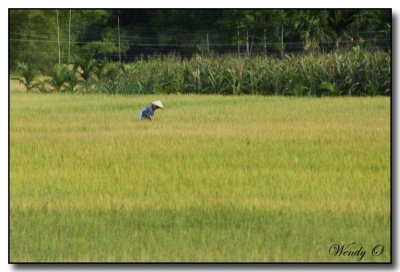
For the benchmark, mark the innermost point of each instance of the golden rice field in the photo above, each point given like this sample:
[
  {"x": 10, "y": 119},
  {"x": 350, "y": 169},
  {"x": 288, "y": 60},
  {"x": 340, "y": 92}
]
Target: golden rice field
[{"x": 211, "y": 179}]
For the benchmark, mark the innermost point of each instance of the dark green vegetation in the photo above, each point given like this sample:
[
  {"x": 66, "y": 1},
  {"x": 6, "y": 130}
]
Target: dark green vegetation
[
  {"x": 356, "y": 72},
  {"x": 34, "y": 33},
  {"x": 280, "y": 52},
  {"x": 213, "y": 178}
]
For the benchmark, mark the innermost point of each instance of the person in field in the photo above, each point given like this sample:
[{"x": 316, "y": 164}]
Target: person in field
[{"x": 148, "y": 112}]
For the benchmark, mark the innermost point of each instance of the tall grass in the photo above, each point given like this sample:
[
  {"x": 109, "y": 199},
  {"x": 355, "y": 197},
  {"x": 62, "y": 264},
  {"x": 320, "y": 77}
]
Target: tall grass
[
  {"x": 356, "y": 73},
  {"x": 353, "y": 73},
  {"x": 253, "y": 179}
]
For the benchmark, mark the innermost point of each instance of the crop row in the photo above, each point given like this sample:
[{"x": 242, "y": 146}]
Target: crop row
[{"x": 356, "y": 72}]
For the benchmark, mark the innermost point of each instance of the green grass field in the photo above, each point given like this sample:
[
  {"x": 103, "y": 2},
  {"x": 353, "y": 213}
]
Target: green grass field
[{"x": 212, "y": 179}]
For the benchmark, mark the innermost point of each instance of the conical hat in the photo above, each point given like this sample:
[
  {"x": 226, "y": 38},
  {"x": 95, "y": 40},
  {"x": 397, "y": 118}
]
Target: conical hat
[{"x": 158, "y": 104}]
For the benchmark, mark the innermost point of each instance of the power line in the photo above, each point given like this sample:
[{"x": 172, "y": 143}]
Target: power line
[
  {"x": 148, "y": 36},
  {"x": 145, "y": 41},
  {"x": 88, "y": 54},
  {"x": 188, "y": 44}
]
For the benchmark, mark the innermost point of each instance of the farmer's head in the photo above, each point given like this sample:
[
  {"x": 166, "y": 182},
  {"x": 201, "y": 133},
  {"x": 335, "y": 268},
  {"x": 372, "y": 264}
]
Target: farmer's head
[{"x": 157, "y": 105}]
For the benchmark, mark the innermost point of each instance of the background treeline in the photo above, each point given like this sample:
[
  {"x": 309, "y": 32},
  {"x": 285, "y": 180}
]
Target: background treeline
[
  {"x": 34, "y": 34},
  {"x": 284, "y": 52}
]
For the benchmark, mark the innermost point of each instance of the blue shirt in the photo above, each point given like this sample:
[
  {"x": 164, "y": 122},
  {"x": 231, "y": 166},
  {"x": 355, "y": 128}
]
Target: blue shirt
[{"x": 146, "y": 113}]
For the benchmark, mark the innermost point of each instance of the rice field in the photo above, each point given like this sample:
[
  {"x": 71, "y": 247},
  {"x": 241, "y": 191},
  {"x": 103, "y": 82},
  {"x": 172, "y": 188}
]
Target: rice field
[{"x": 212, "y": 179}]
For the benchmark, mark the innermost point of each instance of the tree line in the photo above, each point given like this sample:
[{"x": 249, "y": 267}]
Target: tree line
[{"x": 43, "y": 38}]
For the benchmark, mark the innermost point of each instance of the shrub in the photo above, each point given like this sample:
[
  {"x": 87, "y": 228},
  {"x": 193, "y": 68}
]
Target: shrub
[
  {"x": 27, "y": 75},
  {"x": 59, "y": 76}
]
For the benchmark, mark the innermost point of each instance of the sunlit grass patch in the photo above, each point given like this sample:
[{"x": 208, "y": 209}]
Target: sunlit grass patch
[{"x": 212, "y": 178}]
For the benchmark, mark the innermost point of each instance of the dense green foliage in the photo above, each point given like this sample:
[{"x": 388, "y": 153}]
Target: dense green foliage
[
  {"x": 212, "y": 178},
  {"x": 352, "y": 73},
  {"x": 27, "y": 75},
  {"x": 34, "y": 33},
  {"x": 357, "y": 72}
]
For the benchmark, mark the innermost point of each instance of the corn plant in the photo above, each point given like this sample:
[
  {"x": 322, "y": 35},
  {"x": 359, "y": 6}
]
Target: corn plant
[
  {"x": 355, "y": 72},
  {"x": 109, "y": 75}
]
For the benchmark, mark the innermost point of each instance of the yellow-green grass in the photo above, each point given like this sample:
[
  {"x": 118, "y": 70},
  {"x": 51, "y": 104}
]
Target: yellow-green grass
[{"x": 211, "y": 179}]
